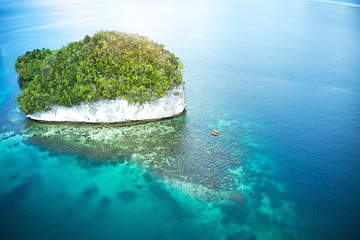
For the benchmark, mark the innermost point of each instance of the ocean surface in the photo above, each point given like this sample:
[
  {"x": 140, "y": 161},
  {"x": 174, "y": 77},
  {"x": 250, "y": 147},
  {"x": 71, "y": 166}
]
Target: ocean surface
[{"x": 279, "y": 79}]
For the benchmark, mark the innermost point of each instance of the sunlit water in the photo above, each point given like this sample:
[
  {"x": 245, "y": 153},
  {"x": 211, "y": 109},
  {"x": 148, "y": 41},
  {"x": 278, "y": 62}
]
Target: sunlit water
[{"x": 280, "y": 80}]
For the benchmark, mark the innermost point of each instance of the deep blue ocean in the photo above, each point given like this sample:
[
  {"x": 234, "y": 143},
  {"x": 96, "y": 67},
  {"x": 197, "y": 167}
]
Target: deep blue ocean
[{"x": 279, "y": 79}]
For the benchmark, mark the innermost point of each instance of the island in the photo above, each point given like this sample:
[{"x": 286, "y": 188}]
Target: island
[{"x": 109, "y": 77}]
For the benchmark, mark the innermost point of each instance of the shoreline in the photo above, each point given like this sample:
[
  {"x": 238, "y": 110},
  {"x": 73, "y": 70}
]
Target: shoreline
[{"x": 117, "y": 111}]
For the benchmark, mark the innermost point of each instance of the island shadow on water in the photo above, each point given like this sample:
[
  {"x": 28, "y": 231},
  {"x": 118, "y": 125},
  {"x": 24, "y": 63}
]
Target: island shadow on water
[{"x": 171, "y": 149}]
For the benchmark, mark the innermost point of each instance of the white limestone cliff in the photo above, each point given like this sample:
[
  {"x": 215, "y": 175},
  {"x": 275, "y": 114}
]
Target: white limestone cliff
[{"x": 118, "y": 110}]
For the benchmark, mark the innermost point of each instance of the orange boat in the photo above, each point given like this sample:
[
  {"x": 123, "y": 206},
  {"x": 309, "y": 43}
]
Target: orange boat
[{"x": 214, "y": 133}]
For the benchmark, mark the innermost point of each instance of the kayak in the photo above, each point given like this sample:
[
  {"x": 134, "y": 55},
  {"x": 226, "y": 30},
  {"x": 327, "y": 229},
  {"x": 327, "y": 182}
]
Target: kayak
[{"x": 214, "y": 133}]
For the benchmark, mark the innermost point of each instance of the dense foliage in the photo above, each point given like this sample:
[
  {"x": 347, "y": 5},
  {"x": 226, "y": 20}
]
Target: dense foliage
[{"x": 104, "y": 66}]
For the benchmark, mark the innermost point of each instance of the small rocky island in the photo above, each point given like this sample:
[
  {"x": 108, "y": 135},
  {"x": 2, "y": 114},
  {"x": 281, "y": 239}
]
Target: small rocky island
[{"x": 109, "y": 77}]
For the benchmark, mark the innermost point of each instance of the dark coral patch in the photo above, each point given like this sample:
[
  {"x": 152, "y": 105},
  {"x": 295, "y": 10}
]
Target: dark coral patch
[
  {"x": 105, "y": 202},
  {"x": 238, "y": 198},
  {"x": 88, "y": 194},
  {"x": 127, "y": 196}
]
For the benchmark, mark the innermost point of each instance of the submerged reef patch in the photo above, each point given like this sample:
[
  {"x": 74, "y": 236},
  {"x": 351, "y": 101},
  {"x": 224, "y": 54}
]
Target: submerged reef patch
[{"x": 168, "y": 148}]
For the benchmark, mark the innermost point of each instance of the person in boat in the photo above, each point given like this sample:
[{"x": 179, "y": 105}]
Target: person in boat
[{"x": 215, "y": 133}]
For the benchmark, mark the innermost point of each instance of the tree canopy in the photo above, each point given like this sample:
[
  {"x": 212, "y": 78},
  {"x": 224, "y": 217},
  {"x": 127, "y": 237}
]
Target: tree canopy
[{"x": 108, "y": 65}]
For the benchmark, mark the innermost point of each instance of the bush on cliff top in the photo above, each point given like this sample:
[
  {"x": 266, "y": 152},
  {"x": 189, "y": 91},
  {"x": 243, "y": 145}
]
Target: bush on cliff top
[{"x": 105, "y": 66}]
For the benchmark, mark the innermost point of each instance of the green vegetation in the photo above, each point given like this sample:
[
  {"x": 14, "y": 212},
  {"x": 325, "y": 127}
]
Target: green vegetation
[{"x": 105, "y": 66}]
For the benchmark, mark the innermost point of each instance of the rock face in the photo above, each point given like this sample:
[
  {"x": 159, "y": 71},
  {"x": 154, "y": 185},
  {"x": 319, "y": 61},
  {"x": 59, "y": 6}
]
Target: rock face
[{"x": 118, "y": 110}]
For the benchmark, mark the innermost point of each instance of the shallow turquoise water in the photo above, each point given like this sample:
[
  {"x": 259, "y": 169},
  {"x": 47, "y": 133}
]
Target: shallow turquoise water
[{"x": 280, "y": 80}]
